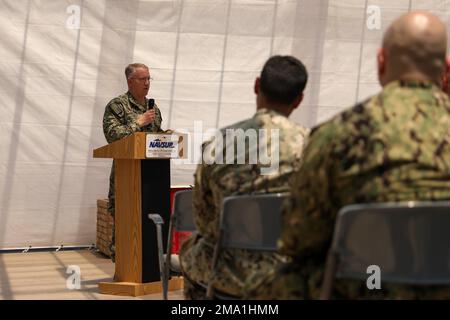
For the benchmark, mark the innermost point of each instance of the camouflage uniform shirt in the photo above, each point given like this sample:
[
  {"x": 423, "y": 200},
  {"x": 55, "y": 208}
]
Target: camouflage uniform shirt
[
  {"x": 119, "y": 121},
  {"x": 213, "y": 182},
  {"x": 393, "y": 147}
]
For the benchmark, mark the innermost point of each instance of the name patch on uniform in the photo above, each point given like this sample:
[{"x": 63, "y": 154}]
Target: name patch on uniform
[{"x": 163, "y": 146}]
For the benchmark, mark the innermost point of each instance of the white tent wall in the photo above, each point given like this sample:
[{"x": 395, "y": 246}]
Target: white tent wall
[{"x": 62, "y": 61}]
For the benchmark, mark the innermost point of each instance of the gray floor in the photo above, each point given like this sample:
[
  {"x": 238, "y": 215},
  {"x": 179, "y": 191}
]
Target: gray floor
[{"x": 44, "y": 275}]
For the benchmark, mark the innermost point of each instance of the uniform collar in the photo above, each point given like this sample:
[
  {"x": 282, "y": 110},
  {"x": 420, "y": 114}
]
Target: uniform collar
[
  {"x": 272, "y": 112},
  {"x": 411, "y": 84},
  {"x": 133, "y": 100}
]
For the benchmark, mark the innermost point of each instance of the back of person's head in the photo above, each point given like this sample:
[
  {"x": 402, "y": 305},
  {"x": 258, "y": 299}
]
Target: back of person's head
[
  {"x": 414, "y": 48},
  {"x": 283, "y": 79},
  {"x": 129, "y": 70}
]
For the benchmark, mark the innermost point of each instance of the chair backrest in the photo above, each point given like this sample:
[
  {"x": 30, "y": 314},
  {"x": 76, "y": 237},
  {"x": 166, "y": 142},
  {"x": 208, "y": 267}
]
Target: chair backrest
[
  {"x": 252, "y": 221},
  {"x": 409, "y": 242},
  {"x": 182, "y": 211}
]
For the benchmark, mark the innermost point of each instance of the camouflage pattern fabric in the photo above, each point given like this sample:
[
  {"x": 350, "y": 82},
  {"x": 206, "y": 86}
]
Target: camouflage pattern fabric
[
  {"x": 213, "y": 182},
  {"x": 119, "y": 121},
  {"x": 393, "y": 147}
]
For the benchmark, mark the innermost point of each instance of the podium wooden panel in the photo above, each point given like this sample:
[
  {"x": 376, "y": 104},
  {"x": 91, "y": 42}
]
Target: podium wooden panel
[
  {"x": 142, "y": 186},
  {"x": 138, "y": 289}
]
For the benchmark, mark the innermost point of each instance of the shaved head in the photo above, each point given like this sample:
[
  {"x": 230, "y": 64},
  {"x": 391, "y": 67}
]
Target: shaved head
[{"x": 414, "y": 48}]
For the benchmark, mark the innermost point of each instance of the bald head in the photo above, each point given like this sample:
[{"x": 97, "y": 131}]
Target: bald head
[{"x": 414, "y": 48}]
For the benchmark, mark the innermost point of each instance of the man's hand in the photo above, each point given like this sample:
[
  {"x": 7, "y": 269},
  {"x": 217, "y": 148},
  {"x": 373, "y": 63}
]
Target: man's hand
[{"x": 146, "y": 118}]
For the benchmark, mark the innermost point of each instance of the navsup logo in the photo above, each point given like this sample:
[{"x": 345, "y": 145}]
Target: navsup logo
[{"x": 157, "y": 143}]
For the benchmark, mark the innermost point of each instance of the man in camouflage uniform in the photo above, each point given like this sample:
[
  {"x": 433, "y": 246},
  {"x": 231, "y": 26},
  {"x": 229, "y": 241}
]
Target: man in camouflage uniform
[
  {"x": 279, "y": 91},
  {"x": 393, "y": 147},
  {"x": 127, "y": 114}
]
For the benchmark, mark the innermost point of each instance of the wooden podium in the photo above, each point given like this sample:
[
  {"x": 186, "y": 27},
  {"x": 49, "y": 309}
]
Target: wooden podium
[{"x": 142, "y": 186}]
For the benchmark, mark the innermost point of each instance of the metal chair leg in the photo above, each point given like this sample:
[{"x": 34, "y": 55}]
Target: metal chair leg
[
  {"x": 329, "y": 274},
  {"x": 156, "y": 218}
]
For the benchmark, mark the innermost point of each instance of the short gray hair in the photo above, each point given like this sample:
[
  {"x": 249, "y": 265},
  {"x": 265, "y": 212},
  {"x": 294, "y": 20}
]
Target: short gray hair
[{"x": 132, "y": 67}]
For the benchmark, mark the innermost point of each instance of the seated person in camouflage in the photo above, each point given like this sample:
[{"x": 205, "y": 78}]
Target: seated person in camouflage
[
  {"x": 127, "y": 114},
  {"x": 393, "y": 147},
  {"x": 279, "y": 90}
]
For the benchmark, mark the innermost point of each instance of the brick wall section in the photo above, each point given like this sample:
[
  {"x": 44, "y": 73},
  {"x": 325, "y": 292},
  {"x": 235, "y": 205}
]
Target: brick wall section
[{"x": 105, "y": 226}]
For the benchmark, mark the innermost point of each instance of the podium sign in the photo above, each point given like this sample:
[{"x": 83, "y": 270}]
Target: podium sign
[{"x": 161, "y": 146}]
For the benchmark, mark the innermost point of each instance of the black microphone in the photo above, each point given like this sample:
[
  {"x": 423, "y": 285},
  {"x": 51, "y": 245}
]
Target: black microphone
[{"x": 151, "y": 104}]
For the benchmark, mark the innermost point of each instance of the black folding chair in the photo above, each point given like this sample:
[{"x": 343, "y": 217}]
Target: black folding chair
[
  {"x": 251, "y": 222},
  {"x": 409, "y": 242}
]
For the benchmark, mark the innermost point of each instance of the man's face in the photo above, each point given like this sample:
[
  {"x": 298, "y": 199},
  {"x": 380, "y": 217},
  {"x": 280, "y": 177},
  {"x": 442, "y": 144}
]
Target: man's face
[{"x": 139, "y": 82}]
